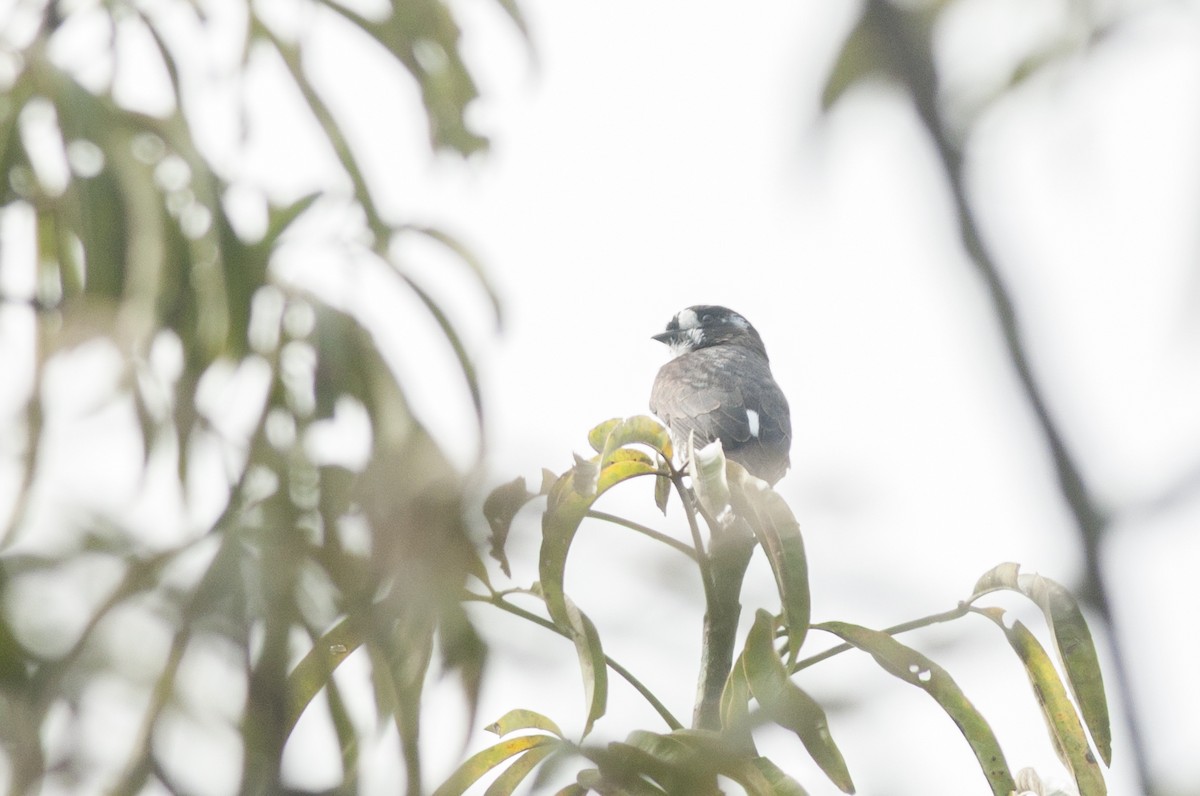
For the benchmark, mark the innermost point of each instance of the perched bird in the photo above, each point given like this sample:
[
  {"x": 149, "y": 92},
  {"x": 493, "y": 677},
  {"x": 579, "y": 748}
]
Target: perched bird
[{"x": 718, "y": 385}]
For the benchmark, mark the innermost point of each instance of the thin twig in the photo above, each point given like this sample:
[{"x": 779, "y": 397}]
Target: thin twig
[
  {"x": 645, "y": 531},
  {"x": 913, "y": 624},
  {"x": 498, "y": 601}
]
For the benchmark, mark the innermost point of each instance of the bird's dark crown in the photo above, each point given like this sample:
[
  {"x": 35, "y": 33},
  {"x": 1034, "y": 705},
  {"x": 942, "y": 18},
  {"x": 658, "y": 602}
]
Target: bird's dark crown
[{"x": 705, "y": 325}]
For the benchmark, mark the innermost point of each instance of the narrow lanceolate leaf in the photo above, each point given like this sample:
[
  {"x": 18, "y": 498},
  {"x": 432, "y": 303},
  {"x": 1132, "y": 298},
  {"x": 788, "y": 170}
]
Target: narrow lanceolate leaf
[
  {"x": 1072, "y": 641},
  {"x": 499, "y": 509},
  {"x": 709, "y": 481},
  {"x": 520, "y": 719},
  {"x": 315, "y": 669},
  {"x": 481, "y": 763},
  {"x": 861, "y": 56},
  {"x": 735, "y": 700},
  {"x": 778, "y": 532},
  {"x": 780, "y": 783},
  {"x": 914, "y": 668},
  {"x": 514, "y": 775},
  {"x": 662, "y": 488},
  {"x": 1070, "y": 741},
  {"x": 566, "y": 506},
  {"x": 788, "y": 705}
]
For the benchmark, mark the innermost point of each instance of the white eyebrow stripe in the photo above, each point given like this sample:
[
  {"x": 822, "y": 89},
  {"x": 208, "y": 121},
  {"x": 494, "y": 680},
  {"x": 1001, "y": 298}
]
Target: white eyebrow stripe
[{"x": 752, "y": 419}]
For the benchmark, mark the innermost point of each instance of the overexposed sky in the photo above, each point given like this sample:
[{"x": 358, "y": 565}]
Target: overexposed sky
[{"x": 651, "y": 155}]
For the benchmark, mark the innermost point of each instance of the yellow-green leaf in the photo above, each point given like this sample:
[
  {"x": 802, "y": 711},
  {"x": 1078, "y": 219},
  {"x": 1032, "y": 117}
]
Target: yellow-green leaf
[
  {"x": 566, "y": 507},
  {"x": 314, "y": 669},
  {"x": 482, "y": 762},
  {"x": 1072, "y": 641},
  {"x": 523, "y": 720},
  {"x": 914, "y": 668},
  {"x": 1067, "y": 733}
]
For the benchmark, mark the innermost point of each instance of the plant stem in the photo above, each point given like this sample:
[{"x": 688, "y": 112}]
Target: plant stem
[
  {"x": 729, "y": 555},
  {"x": 499, "y": 602},
  {"x": 958, "y": 612},
  {"x": 642, "y": 529}
]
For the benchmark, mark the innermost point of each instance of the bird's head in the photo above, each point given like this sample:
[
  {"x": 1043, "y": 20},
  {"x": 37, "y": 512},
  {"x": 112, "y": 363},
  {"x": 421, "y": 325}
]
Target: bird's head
[{"x": 705, "y": 325}]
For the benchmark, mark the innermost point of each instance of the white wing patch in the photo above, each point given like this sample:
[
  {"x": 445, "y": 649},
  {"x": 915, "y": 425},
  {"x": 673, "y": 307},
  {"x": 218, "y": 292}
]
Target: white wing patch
[{"x": 752, "y": 419}]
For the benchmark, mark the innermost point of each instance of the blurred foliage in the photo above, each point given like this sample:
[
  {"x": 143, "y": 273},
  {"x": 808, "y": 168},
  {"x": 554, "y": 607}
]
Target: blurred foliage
[
  {"x": 759, "y": 688},
  {"x": 308, "y": 559},
  {"x": 134, "y": 246}
]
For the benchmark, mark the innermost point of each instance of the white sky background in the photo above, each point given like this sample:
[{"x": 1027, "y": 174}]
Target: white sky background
[{"x": 658, "y": 156}]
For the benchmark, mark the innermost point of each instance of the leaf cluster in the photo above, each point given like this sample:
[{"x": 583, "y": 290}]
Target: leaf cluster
[
  {"x": 135, "y": 250},
  {"x": 760, "y": 687}
]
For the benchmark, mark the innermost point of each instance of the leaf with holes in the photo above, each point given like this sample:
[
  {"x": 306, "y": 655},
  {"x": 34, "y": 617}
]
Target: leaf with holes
[{"x": 914, "y": 668}]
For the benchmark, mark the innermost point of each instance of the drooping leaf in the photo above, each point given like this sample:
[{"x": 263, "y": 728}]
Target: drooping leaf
[
  {"x": 862, "y": 56},
  {"x": 780, "y": 783},
  {"x": 914, "y": 668},
  {"x": 787, "y": 704},
  {"x": 1072, "y": 641},
  {"x": 1066, "y": 731},
  {"x": 566, "y": 506},
  {"x": 499, "y": 509},
  {"x": 777, "y": 531}
]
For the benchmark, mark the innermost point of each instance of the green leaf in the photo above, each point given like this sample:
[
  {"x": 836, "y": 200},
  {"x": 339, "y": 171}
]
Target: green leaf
[
  {"x": 566, "y": 506},
  {"x": 735, "y": 700},
  {"x": 637, "y": 430},
  {"x": 777, "y": 531},
  {"x": 1072, "y": 641},
  {"x": 315, "y": 669},
  {"x": 499, "y": 509},
  {"x": 914, "y": 668},
  {"x": 662, "y": 487},
  {"x": 598, "y": 436},
  {"x": 523, "y": 720},
  {"x": 780, "y": 783},
  {"x": 666, "y": 759},
  {"x": 1070, "y": 741},
  {"x": 788, "y": 705},
  {"x": 862, "y": 55},
  {"x": 707, "y": 466},
  {"x": 280, "y": 217},
  {"x": 515, "y": 774},
  {"x": 482, "y": 762}
]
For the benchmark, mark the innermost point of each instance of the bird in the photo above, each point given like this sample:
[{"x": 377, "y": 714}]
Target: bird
[{"x": 718, "y": 386}]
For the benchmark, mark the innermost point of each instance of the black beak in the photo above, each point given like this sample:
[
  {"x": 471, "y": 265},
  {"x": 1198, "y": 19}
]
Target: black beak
[{"x": 667, "y": 337}]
